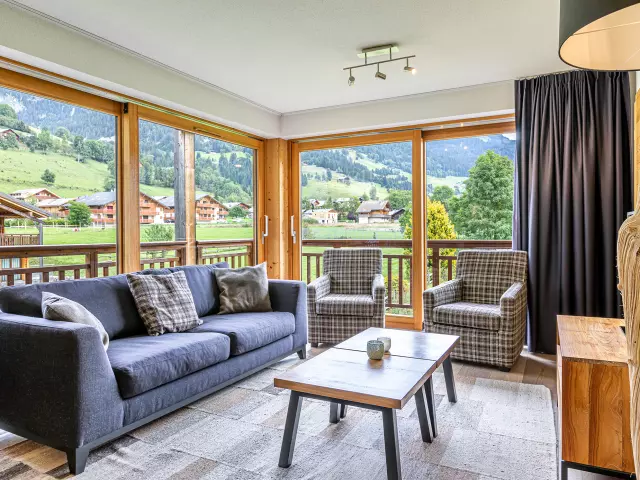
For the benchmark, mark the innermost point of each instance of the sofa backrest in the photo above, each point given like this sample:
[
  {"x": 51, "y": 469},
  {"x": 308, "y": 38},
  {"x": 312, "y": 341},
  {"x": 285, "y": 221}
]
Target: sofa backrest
[
  {"x": 110, "y": 299},
  {"x": 487, "y": 274},
  {"x": 351, "y": 270}
]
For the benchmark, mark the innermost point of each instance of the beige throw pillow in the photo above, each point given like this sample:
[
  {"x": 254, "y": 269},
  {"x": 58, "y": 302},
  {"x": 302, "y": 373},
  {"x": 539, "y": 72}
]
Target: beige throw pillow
[
  {"x": 243, "y": 289},
  {"x": 55, "y": 307}
]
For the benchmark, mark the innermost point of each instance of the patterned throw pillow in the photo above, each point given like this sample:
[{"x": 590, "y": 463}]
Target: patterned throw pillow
[
  {"x": 164, "y": 302},
  {"x": 243, "y": 289}
]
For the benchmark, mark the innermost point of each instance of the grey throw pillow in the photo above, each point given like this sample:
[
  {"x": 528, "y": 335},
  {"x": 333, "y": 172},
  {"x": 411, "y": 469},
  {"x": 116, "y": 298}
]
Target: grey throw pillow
[
  {"x": 55, "y": 307},
  {"x": 243, "y": 289},
  {"x": 164, "y": 302}
]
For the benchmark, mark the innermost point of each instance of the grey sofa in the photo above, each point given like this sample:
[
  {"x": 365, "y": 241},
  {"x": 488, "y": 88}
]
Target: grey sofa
[
  {"x": 59, "y": 387},
  {"x": 486, "y": 305},
  {"x": 349, "y": 297}
]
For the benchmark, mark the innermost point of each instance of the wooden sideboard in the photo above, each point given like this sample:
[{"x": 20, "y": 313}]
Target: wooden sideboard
[{"x": 593, "y": 396}]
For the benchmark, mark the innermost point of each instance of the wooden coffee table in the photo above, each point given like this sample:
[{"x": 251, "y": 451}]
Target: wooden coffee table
[{"x": 346, "y": 376}]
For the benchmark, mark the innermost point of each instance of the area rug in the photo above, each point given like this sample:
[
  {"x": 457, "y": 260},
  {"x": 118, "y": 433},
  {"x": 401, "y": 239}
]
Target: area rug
[{"x": 497, "y": 429}]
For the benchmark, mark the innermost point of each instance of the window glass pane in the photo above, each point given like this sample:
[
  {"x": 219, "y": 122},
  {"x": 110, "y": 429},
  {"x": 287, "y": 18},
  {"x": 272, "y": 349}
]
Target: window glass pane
[
  {"x": 57, "y": 184},
  {"x": 357, "y": 197},
  {"x": 470, "y": 196},
  {"x": 224, "y": 201}
]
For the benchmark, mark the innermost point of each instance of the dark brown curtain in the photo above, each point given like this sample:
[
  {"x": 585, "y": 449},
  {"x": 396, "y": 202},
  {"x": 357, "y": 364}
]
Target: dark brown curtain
[{"x": 573, "y": 187}]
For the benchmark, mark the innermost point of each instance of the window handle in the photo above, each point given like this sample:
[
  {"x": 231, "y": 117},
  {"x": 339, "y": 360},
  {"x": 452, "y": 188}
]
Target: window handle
[
  {"x": 266, "y": 228},
  {"x": 293, "y": 228}
]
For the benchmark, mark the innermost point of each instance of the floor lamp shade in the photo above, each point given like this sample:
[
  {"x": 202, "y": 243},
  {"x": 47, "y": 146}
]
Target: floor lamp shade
[{"x": 600, "y": 34}]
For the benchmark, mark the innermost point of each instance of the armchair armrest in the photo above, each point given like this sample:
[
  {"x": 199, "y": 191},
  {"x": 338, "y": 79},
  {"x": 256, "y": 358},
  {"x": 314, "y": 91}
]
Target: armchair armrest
[
  {"x": 448, "y": 292},
  {"x": 379, "y": 293},
  {"x": 319, "y": 288},
  {"x": 291, "y": 296},
  {"x": 57, "y": 382},
  {"x": 514, "y": 301}
]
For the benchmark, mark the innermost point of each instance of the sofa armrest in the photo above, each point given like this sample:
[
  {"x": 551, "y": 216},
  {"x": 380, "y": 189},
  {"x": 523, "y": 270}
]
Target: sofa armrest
[
  {"x": 513, "y": 302},
  {"x": 291, "y": 296},
  {"x": 319, "y": 288},
  {"x": 378, "y": 292},
  {"x": 57, "y": 382}
]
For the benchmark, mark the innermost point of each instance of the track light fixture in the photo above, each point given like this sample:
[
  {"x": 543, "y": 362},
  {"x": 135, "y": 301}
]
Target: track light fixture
[
  {"x": 352, "y": 79},
  {"x": 379, "y": 50},
  {"x": 408, "y": 69}
]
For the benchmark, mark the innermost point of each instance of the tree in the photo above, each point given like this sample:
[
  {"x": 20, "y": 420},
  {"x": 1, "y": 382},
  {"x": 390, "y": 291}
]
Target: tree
[
  {"x": 442, "y": 194},
  {"x": 400, "y": 199},
  {"x": 48, "y": 176},
  {"x": 109, "y": 184},
  {"x": 329, "y": 175},
  {"x": 7, "y": 111},
  {"x": 44, "y": 141},
  {"x": 63, "y": 133},
  {"x": 485, "y": 209},
  {"x": 373, "y": 193},
  {"x": 305, "y": 180},
  {"x": 237, "y": 212},
  {"x": 158, "y": 233},
  {"x": 79, "y": 214}
]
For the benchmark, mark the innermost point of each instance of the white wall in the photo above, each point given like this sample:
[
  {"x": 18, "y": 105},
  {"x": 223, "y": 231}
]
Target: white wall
[
  {"x": 39, "y": 42},
  {"x": 480, "y": 100}
]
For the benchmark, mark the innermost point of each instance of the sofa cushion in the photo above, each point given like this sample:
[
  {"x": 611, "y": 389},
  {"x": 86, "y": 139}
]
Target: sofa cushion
[
  {"x": 202, "y": 283},
  {"x": 249, "y": 331},
  {"x": 141, "y": 363},
  {"x": 109, "y": 299},
  {"x": 470, "y": 315},
  {"x": 343, "y": 304}
]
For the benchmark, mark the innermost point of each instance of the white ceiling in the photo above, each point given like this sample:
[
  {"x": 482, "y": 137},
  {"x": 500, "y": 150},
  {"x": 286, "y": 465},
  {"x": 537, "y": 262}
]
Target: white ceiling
[{"x": 288, "y": 55}]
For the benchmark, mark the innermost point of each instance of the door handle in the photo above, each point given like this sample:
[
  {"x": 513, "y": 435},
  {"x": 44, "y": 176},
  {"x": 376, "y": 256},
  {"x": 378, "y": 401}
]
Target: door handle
[
  {"x": 293, "y": 228},
  {"x": 266, "y": 228}
]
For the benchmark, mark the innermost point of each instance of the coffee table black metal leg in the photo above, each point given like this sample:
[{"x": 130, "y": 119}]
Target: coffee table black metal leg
[
  {"x": 343, "y": 410},
  {"x": 391, "y": 447},
  {"x": 423, "y": 417},
  {"x": 334, "y": 414},
  {"x": 431, "y": 404},
  {"x": 290, "y": 430},
  {"x": 449, "y": 380}
]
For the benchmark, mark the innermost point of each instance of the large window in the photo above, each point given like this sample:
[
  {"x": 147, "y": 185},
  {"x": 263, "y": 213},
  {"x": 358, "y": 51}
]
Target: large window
[
  {"x": 224, "y": 180},
  {"x": 360, "y": 196},
  {"x": 57, "y": 180},
  {"x": 469, "y": 197}
]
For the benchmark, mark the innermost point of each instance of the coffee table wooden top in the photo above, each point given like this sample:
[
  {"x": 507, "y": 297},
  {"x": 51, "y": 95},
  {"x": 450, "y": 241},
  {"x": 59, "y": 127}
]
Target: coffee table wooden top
[
  {"x": 406, "y": 343},
  {"x": 350, "y": 375}
]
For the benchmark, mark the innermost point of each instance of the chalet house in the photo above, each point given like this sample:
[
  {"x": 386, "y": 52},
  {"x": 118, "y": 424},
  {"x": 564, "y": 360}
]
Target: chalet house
[
  {"x": 34, "y": 194},
  {"x": 208, "y": 209},
  {"x": 242, "y": 205},
  {"x": 377, "y": 211},
  {"x": 324, "y": 216},
  {"x": 103, "y": 208},
  {"x": 5, "y": 132},
  {"x": 56, "y": 207}
]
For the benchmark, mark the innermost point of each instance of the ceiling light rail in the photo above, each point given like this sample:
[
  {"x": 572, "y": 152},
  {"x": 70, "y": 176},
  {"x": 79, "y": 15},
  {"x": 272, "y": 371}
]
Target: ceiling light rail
[{"x": 384, "y": 48}]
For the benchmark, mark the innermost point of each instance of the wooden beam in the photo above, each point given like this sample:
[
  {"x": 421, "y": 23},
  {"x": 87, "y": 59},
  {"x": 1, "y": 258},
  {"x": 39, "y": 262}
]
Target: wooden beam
[
  {"x": 128, "y": 191},
  {"x": 636, "y": 150},
  {"x": 295, "y": 210},
  {"x": 190, "y": 197},
  {"x": 179, "y": 200},
  {"x": 356, "y": 141},
  {"x": 419, "y": 226},
  {"x": 277, "y": 207},
  {"x": 470, "y": 131}
]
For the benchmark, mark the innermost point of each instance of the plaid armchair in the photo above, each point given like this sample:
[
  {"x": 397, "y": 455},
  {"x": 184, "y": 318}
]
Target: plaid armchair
[
  {"x": 486, "y": 305},
  {"x": 349, "y": 297}
]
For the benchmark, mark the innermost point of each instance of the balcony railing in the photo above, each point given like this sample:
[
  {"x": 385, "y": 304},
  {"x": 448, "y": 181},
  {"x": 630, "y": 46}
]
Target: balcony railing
[
  {"x": 10, "y": 240},
  {"x": 237, "y": 253},
  {"x": 397, "y": 262}
]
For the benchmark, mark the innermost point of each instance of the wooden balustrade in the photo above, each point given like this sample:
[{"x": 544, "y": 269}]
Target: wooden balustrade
[
  {"x": 90, "y": 266},
  {"x": 237, "y": 253},
  {"x": 397, "y": 267},
  {"x": 10, "y": 240}
]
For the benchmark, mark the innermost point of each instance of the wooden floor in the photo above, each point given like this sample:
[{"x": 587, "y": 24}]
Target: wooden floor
[{"x": 530, "y": 368}]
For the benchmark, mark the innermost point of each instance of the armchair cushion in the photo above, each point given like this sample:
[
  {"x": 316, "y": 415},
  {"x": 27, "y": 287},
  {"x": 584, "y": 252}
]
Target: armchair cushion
[
  {"x": 348, "y": 305},
  {"x": 471, "y": 315}
]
